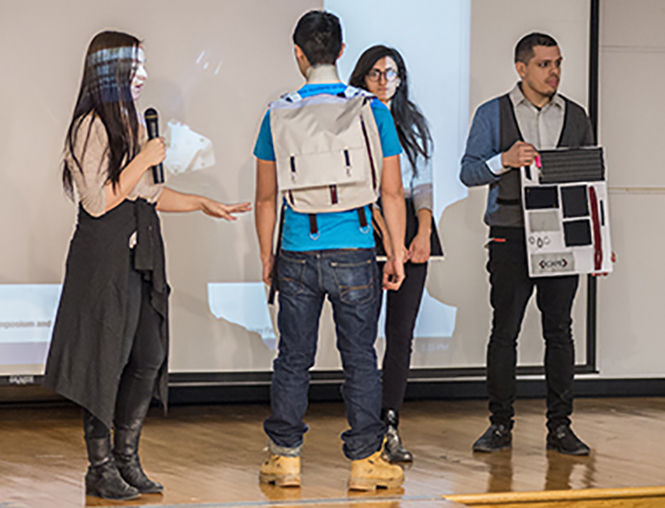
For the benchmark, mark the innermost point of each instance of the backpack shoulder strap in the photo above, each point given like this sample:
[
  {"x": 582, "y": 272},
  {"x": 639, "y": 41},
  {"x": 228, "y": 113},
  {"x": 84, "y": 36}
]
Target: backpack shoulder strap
[
  {"x": 291, "y": 97},
  {"x": 351, "y": 91},
  {"x": 286, "y": 100}
]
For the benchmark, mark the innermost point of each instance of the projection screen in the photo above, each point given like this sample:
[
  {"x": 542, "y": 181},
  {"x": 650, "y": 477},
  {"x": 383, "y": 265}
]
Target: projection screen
[{"x": 213, "y": 67}]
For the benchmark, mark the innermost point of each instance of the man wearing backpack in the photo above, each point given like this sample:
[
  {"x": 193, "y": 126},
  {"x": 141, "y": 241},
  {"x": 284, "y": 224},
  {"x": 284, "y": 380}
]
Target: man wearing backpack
[{"x": 306, "y": 153}]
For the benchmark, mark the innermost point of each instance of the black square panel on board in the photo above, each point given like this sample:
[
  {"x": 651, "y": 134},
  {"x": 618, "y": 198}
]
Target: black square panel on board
[
  {"x": 577, "y": 233},
  {"x": 541, "y": 197},
  {"x": 574, "y": 201}
]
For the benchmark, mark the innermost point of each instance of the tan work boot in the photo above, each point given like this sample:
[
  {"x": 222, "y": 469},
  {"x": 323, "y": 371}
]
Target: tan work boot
[
  {"x": 280, "y": 470},
  {"x": 374, "y": 471}
]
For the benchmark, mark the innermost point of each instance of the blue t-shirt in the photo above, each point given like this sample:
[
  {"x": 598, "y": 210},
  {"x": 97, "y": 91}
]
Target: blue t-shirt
[{"x": 337, "y": 230}]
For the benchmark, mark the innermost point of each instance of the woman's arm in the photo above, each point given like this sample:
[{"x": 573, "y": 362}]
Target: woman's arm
[
  {"x": 423, "y": 198},
  {"x": 152, "y": 153},
  {"x": 174, "y": 201},
  {"x": 419, "y": 250}
]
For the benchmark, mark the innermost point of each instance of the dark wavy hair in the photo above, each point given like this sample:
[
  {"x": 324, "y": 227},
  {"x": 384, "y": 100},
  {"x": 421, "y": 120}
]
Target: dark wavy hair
[
  {"x": 105, "y": 92},
  {"x": 524, "y": 47},
  {"x": 412, "y": 129}
]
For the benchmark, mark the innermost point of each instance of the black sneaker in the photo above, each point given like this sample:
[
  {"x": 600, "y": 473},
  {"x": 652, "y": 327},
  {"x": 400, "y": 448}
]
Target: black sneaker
[
  {"x": 563, "y": 440},
  {"x": 495, "y": 438}
]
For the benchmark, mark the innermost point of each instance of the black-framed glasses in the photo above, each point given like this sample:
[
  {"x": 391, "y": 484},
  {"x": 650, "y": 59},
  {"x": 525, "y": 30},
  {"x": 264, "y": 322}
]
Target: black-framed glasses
[{"x": 388, "y": 74}]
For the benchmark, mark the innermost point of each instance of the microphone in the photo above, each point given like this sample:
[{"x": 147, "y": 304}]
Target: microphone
[{"x": 152, "y": 124}]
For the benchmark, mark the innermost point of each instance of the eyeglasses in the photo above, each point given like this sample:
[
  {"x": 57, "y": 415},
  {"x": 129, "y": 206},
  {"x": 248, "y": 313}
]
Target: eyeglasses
[{"x": 388, "y": 74}]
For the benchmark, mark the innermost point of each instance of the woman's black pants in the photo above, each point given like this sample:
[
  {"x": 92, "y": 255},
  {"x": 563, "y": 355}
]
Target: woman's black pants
[
  {"x": 401, "y": 311},
  {"x": 143, "y": 356}
]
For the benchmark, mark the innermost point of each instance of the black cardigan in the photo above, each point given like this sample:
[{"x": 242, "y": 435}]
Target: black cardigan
[{"x": 85, "y": 356}]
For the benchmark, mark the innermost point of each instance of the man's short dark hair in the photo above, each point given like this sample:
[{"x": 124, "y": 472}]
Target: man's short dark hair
[
  {"x": 319, "y": 35},
  {"x": 524, "y": 48}
]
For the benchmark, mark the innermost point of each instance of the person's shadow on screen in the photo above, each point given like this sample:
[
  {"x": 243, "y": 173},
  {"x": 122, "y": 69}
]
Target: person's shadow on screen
[{"x": 461, "y": 280}]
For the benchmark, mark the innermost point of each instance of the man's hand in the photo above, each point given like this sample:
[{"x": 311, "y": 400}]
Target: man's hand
[
  {"x": 393, "y": 273},
  {"x": 519, "y": 155},
  {"x": 267, "y": 269}
]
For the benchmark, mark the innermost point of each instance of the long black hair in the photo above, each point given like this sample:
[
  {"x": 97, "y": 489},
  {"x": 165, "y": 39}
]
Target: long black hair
[
  {"x": 105, "y": 93},
  {"x": 414, "y": 134}
]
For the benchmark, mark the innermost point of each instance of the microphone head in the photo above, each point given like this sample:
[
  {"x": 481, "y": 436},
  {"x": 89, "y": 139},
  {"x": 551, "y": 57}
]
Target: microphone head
[{"x": 150, "y": 115}]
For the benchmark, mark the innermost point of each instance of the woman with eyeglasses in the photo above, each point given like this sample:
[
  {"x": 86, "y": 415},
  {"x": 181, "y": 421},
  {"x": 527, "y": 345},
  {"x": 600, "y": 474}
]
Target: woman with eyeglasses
[
  {"x": 109, "y": 347},
  {"x": 381, "y": 71}
]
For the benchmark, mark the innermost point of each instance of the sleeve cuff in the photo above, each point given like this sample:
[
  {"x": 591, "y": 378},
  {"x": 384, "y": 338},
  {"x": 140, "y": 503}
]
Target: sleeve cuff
[
  {"x": 423, "y": 197},
  {"x": 495, "y": 166}
]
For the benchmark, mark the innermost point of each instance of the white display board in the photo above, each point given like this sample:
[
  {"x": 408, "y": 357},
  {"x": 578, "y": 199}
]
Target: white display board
[{"x": 566, "y": 215}]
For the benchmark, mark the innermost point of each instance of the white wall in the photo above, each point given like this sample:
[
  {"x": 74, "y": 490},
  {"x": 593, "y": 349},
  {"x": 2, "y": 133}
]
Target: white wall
[
  {"x": 632, "y": 108},
  {"x": 496, "y": 26}
]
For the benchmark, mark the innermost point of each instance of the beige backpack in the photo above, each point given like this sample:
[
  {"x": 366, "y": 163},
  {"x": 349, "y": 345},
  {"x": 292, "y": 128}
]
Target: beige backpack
[{"x": 327, "y": 150}]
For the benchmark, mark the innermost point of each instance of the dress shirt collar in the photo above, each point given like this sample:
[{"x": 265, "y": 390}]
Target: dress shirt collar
[{"x": 517, "y": 97}]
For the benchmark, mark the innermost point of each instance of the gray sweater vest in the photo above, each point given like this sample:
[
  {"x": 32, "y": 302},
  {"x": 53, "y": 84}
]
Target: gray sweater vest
[{"x": 576, "y": 132}]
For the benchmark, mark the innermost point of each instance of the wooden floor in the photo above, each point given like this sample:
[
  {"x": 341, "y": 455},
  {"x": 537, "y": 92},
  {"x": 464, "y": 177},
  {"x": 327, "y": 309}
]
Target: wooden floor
[{"x": 209, "y": 455}]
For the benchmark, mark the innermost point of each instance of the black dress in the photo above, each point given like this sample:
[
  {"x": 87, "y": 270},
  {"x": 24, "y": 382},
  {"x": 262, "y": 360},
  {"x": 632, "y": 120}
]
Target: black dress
[{"x": 85, "y": 357}]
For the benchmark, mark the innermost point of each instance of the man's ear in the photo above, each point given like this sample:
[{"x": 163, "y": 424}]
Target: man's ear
[
  {"x": 520, "y": 67},
  {"x": 341, "y": 51}
]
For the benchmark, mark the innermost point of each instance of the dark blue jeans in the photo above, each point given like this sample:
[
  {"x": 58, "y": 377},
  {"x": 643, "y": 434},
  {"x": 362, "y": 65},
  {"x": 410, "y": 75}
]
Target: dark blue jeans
[{"x": 349, "y": 277}]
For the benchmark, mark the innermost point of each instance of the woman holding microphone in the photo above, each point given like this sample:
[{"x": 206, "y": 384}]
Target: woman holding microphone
[{"x": 110, "y": 339}]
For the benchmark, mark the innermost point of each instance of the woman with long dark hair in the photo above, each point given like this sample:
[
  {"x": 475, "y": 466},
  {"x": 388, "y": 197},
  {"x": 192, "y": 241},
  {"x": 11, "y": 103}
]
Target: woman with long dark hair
[
  {"x": 110, "y": 339},
  {"x": 381, "y": 71}
]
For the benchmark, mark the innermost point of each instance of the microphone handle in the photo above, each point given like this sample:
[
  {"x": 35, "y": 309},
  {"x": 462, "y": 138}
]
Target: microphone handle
[
  {"x": 158, "y": 173},
  {"x": 158, "y": 170}
]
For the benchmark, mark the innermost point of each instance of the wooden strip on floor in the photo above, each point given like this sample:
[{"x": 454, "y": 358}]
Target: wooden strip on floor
[{"x": 557, "y": 496}]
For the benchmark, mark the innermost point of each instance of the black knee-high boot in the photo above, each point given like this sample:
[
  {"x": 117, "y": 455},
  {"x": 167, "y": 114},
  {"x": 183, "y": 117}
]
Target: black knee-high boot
[
  {"x": 132, "y": 406},
  {"x": 102, "y": 478},
  {"x": 393, "y": 450}
]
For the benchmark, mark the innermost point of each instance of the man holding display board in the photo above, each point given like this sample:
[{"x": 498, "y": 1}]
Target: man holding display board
[{"x": 505, "y": 135}]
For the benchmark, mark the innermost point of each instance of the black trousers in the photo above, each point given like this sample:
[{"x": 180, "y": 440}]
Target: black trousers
[
  {"x": 143, "y": 355},
  {"x": 511, "y": 288},
  {"x": 401, "y": 311}
]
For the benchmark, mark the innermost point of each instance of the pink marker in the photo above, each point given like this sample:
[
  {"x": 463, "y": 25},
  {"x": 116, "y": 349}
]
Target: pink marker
[{"x": 539, "y": 164}]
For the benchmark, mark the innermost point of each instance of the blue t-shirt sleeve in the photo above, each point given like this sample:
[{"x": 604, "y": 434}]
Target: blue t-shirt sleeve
[
  {"x": 387, "y": 131},
  {"x": 264, "y": 149}
]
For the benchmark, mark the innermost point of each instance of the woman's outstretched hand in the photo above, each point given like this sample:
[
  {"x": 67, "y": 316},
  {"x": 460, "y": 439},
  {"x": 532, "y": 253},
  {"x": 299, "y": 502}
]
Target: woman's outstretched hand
[{"x": 222, "y": 211}]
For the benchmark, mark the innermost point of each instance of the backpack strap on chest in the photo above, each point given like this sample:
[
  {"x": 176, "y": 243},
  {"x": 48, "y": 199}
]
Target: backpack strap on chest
[
  {"x": 313, "y": 227},
  {"x": 362, "y": 219}
]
